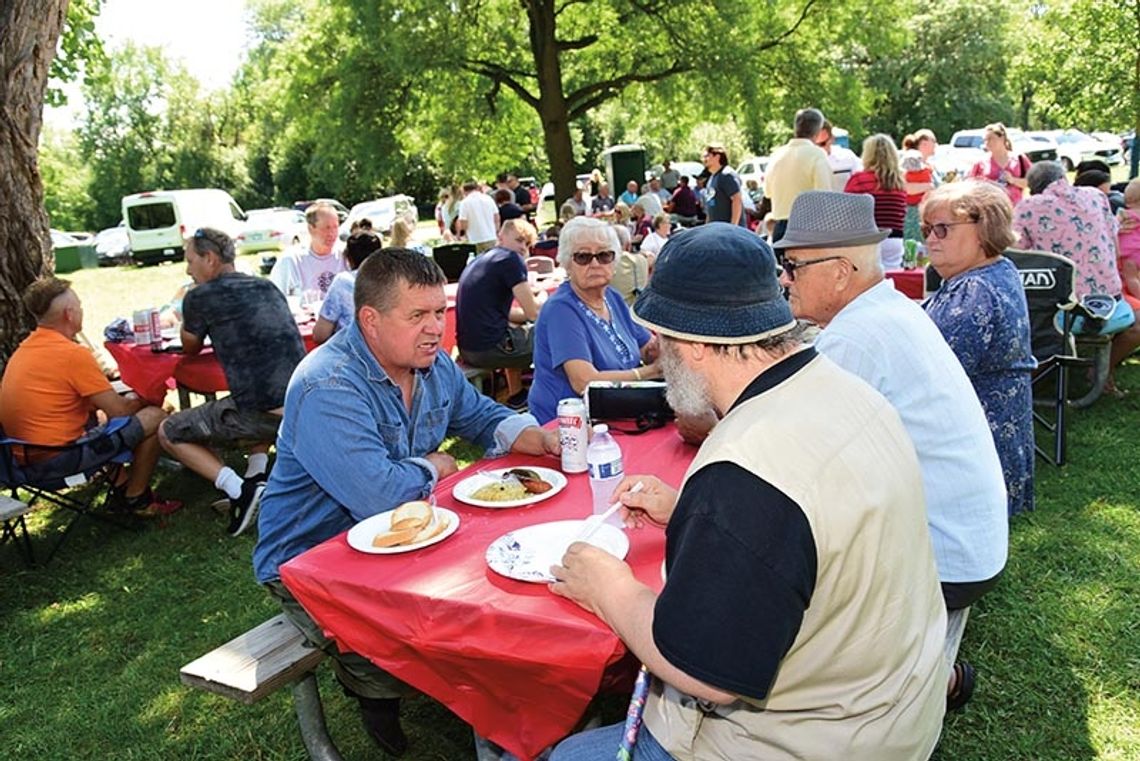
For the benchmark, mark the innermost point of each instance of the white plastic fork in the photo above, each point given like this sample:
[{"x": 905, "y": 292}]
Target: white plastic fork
[{"x": 594, "y": 521}]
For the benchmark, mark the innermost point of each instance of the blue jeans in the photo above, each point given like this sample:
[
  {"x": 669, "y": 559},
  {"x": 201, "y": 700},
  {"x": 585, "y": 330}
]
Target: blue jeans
[{"x": 602, "y": 744}]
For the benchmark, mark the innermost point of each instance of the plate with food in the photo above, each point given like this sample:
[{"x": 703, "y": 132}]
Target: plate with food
[
  {"x": 509, "y": 487},
  {"x": 411, "y": 526},
  {"x": 526, "y": 554}
]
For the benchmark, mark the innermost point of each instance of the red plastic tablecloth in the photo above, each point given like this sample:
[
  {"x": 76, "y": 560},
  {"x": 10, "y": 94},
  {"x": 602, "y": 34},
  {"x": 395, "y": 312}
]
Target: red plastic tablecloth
[
  {"x": 912, "y": 283},
  {"x": 152, "y": 373},
  {"x": 516, "y": 662}
]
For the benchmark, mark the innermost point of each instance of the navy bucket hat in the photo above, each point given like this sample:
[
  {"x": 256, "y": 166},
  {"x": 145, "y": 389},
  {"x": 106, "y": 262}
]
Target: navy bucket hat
[{"x": 715, "y": 284}]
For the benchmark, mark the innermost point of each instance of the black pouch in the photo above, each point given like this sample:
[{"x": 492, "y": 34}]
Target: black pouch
[{"x": 642, "y": 402}]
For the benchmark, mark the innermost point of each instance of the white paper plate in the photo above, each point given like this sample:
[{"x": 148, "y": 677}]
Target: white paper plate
[
  {"x": 361, "y": 535},
  {"x": 463, "y": 490},
  {"x": 527, "y": 553}
]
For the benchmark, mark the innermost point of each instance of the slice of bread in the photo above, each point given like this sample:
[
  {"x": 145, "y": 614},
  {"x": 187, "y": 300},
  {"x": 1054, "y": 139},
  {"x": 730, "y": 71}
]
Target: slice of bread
[{"x": 416, "y": 514}]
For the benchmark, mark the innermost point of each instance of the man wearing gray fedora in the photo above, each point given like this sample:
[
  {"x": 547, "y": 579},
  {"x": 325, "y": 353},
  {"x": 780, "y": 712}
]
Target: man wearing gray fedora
[
  {"x": 801, "y": 615},
  {"x": 835, "y": 279}
]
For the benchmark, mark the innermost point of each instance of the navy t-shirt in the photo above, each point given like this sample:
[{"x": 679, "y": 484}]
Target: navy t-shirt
[
  {"x": 719, "y": 203},
  {"x": 253, "y": 332},
  {"x": 483, "y": 302}
]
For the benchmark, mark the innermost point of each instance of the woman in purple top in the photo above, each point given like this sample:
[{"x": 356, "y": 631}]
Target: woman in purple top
[{"x": 585, "y": 332}]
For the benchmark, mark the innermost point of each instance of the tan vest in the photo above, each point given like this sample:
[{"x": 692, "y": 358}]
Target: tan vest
[{"x": 865, "y": 678}]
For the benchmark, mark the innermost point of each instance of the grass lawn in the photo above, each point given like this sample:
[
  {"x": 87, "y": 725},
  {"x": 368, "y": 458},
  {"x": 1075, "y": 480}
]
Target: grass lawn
[{"x": 93, "y": 642}]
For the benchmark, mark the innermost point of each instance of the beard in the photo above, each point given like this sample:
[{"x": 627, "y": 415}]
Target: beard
[{"x": 686, "y": 391}]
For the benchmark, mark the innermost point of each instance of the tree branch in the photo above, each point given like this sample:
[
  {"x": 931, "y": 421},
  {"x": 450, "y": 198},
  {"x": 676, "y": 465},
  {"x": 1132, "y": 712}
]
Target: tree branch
[
  {"x": 578, "y": 44},
  {"x": 585, "y": 98},
  {"x": 500, "y": 75},
  {"x": 774, "y": 41},
  {"x": 566, "y": 4}
]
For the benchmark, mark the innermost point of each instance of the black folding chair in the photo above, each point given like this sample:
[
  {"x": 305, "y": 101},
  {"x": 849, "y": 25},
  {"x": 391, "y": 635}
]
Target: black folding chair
[
  {"x": 34, "y": 469},
  {"x": 452, "y": 258},
  {"x": 1048, "y": 282}
]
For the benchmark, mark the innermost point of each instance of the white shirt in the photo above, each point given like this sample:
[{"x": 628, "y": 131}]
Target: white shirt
[
  {"x": 844, "y": 163},
  {"x": 299, "y": 270},
  {"x": 478, "y": 211},
  {"x": 888, "y": 341},
  {"x": 652, "y": 243}
]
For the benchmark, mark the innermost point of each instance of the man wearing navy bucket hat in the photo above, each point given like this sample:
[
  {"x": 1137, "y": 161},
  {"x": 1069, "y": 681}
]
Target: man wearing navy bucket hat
[{"x": 801, "y": 616}]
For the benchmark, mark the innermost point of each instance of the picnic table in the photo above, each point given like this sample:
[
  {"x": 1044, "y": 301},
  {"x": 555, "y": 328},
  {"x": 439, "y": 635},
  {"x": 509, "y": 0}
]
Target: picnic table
[
  {"x": 911, "y": 282},
  {"x": 509, "y": 657},
  {"x": 152, "y": 373}
]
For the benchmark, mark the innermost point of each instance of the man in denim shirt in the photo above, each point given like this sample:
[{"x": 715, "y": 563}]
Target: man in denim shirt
[{"x": 364, "y": 418}]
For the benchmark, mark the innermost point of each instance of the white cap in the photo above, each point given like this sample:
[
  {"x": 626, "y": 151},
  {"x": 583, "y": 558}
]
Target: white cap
[{"x": 601, "y": 428}]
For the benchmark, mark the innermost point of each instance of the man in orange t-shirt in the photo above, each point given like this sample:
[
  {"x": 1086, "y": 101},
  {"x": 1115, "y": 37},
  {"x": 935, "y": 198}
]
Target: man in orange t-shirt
[{"x": 51, "y": 390}]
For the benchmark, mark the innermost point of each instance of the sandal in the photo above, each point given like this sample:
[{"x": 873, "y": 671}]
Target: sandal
[{"x": 964, "y": 680}]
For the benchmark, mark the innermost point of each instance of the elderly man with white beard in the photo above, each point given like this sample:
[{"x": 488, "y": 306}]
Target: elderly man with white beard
[{"x": 801, "y": 615}]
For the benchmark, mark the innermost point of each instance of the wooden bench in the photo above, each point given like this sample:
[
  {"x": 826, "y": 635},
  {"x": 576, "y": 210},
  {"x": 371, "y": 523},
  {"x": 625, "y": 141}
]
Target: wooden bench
[
  {"x": 261, "y": 661},
  {"x": 12, "y": 526}
]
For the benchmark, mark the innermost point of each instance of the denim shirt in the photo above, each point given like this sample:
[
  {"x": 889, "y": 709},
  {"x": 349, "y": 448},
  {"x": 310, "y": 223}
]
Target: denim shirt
[{"x": 348, "y": 449}]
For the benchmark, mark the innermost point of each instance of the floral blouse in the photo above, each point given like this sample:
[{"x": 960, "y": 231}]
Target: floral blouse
[{"x": 1077, "y": 223}]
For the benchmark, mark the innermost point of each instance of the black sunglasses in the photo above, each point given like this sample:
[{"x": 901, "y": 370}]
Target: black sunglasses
[
  {"x": 583, "y": 258},
  {"x": 942, "y": 229},
  {"x": 790, "y": 267}
]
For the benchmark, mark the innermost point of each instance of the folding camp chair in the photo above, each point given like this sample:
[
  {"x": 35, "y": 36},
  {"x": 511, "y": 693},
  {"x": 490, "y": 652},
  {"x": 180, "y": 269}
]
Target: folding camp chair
[
  {"x": 35, "y": 469},
  {"x": 1048, "y": 282},
  {"x": 452, "y": 259}
]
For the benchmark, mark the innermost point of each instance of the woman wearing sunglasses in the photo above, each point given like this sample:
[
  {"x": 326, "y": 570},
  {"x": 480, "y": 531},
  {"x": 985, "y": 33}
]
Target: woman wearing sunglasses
[
  {"x": 981, "y": 310},
  {"x": 585, "y": 332}
]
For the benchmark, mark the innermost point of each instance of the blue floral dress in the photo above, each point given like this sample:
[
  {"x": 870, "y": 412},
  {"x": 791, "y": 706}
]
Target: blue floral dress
[{"x": 983, "y": 315}]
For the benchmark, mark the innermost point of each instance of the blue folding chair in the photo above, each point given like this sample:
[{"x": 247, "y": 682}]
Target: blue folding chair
[{"x": 53, "y": 473}]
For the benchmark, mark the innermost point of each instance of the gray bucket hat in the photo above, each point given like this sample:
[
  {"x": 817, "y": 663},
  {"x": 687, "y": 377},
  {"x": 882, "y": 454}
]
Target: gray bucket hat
[
  {"x": 715, "y": 284},
  {"x": 826, "y": 219}
]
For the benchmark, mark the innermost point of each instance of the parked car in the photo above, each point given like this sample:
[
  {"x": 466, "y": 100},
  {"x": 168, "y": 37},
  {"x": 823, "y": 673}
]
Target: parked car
[
  {"x": 966, "y": 148},
  {"x": 160, "y": 221},
  {"x": 341, "y": 209},
  {"x": 272, "y": 230},
  {"x": 753, "y": 168},
  {"x": 113, "y": 246},
  {"x": 59, "y": 238},
  {"x": 382, "y": 212},
  {"x": 1074, "y": 146}
]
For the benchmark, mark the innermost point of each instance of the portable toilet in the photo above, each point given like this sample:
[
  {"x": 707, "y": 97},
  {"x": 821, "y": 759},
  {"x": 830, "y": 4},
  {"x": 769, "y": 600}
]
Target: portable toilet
[{"x": 624, "y": 163}]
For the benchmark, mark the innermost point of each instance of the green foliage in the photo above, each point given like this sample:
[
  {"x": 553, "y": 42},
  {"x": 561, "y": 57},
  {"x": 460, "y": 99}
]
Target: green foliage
[
  {"x": 78, "y": 45},
  {"x": 949, "y": 72},
  {"x": 66, "y": 180}
]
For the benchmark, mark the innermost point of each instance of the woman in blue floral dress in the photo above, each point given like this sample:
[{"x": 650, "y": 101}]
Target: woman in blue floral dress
[{"x": 982, "y": 313}]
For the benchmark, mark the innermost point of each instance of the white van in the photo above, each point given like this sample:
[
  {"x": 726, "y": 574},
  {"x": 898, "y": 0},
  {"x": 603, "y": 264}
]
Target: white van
[{"x": 159, "y": 221}]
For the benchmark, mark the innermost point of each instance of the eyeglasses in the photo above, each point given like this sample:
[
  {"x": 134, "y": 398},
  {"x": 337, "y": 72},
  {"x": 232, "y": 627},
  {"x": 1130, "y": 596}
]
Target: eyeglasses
[
  {"x": 790, "y": 267},
  {"x": 583, "y": 258},
  {"x": 942, "y": 229}
]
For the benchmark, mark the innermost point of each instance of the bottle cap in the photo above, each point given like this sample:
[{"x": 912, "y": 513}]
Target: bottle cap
[{"x": 601, "y": 428}]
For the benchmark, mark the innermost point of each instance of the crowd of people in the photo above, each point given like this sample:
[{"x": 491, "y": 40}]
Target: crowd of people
[{"x": 834, "y": 416}]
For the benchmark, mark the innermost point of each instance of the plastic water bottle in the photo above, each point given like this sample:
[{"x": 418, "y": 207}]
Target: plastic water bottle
[{"x": 603, "y": 457}]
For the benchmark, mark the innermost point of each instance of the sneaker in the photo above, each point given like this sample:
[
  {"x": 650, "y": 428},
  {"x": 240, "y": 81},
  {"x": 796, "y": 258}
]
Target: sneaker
[
  {"x": 381, "y": 719},
  {"x": 517, "y": 402},
  {"x": 243, "y": 510},
  {"x": 146, "y": 505}
]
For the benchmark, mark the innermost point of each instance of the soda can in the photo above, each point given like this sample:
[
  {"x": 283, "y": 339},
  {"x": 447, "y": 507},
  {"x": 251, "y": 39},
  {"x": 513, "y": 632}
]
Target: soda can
[
  {"x": 155, "y": 329},
  {"x": 142, "y": 327},
  {"x": 573, "y": 434}
]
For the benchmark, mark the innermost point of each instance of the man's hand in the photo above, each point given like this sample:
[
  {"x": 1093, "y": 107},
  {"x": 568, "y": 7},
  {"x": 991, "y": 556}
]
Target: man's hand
[
  {"x": 444, "y": 463},
  {"x": 535, "y": 440},
  {"x": 586, "y": 573},
  {"x": 653, "y": 504}
]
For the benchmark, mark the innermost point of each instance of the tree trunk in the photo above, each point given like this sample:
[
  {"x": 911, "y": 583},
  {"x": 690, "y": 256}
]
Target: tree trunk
[
  {"x": 552, "y": 110},
  {"x": 29, "y": 31}
]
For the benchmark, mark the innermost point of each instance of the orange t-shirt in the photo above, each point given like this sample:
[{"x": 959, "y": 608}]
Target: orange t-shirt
[{"x": 44, "y": 395}]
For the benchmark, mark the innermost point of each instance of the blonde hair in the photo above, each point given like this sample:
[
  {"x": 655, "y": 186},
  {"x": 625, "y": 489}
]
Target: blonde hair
[
  {"x": 1132, "y": 193},
  {"x": 401, "y": 233},
  {"x": 981, "y": 202},
  {"x": 998, "y": 129},
  {"x": 881, "y": 157},
  {"x": 523, "y": 228}
]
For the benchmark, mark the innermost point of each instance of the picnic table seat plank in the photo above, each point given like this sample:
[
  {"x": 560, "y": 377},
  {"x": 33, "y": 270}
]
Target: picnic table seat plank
[{"x": 254, "y": 664}]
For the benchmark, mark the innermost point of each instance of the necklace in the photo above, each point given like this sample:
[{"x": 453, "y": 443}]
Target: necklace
[{"x": 599, "y": 309}]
